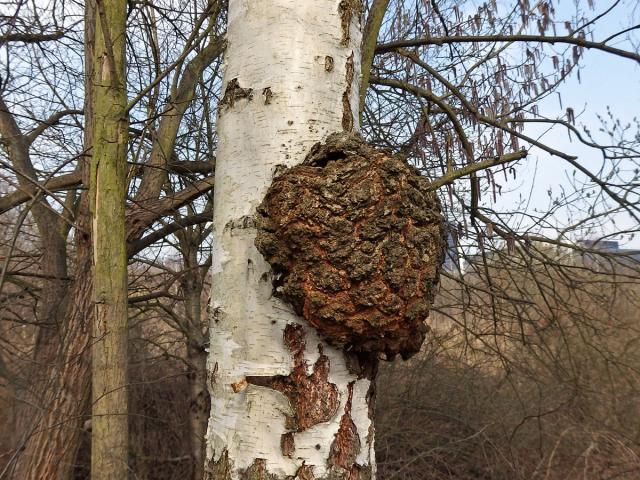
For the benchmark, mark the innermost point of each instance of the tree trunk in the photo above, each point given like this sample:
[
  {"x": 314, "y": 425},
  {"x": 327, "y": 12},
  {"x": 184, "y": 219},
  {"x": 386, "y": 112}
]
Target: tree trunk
[
  {"x": 51, "y": 443},
  {"x": 199, "y": 404},
  {"x": 290, "y": 81},
  {"x": 192, "y": 285},
  {"x": 50, "y": 447},
  {"x": 50, "y": 313},
  {"x": 109, "y": 435},
  {"x": 53, "y": 268}
]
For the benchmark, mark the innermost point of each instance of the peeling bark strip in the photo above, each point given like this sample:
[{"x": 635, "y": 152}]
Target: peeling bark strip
[
  {"x": 287, "y": 444},
  {"x": 258, "y": 471},
  {"x": 347, "y": 113},
  {"x": 354, "y": 473},
  {"x": 345, "y": 448},
  {"x": 220, "y": 469},
  {"x": 346, "y": 444},
  {"x": 234, "y": 92},
  {"x": 347, "y": 9},
  {"x": 312, "y": 397},
  {"x": 267, "y": 94},
  {"x": 305, "y": 472}
]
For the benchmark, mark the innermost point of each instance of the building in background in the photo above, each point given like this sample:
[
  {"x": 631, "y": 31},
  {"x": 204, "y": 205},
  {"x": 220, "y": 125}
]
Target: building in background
[
  {"x": 624, "y": 256},
  {"x": 452, "y": 256}
]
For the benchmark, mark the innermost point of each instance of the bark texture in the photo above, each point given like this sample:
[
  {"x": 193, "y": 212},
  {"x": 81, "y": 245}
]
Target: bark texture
[
  {"x": 53, "y": 436},
  {"x": 52, "y": 442},
  {"x": 191, "y": 285},
  {"x": 280, "y": 394},
  {"x": 109, "y": 436},
  {"x": 357, "y": 240}
]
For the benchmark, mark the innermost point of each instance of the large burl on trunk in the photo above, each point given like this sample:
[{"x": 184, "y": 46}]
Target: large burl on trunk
[{"x": 356, "y": 240}]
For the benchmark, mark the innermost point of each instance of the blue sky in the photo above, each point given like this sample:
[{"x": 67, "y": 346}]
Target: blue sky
[{"x": 605, "y": 81}]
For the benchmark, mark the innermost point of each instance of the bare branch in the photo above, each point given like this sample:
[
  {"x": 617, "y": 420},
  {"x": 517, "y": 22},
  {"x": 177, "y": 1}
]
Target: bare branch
[
  {"x": 25, "y": 37},
  {"x": 369, "y": 40},
  {"x": 580, "y": 42},
  {"x": 453, "y": 175},
  {"x": 56, "y": 184},
  {"x": 141, "y": 216},
  {"x": 138, "y": 245},
  {"x": 50, "y": 122}
]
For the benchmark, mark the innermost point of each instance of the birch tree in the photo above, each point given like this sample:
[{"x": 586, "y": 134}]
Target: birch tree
[{"x": 290, "y": 80}]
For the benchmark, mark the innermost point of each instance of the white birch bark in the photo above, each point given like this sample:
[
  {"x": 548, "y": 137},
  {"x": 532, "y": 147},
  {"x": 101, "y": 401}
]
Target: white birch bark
[{"x": 294, "y": 57}]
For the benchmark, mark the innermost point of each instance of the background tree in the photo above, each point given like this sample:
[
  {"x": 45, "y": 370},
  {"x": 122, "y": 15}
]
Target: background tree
[
  {"x": 110, "y": 329},
  {"x": 52, "y": 432}
]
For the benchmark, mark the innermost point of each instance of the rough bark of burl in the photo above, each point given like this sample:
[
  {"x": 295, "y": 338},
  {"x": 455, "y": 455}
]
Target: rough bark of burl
[{"x": 356, "y": 241}]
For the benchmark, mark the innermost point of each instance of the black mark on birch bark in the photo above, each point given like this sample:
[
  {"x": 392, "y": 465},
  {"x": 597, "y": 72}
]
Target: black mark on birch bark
[
  {"x": 234, "y": 92},
  {"x": 313, "y": 398},
  {"x": 211, "y": 375},
  {"x": 217, "y": 314},
  {"x": 267, "y": 94},
  {"x": 347, "y": 113},
  {"x": 328, "y": 63},
  {"x": 241, "y": 223}
]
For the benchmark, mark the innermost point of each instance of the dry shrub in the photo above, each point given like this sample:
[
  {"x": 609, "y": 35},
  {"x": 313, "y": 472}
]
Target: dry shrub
[
  {"x": 432, "y": 423},
  {"x": 158, "y": 406},
  {"x": 159, "y": 427},
  {"x": 551, "y": 393},
  {"x": 6, "y": 420}
]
